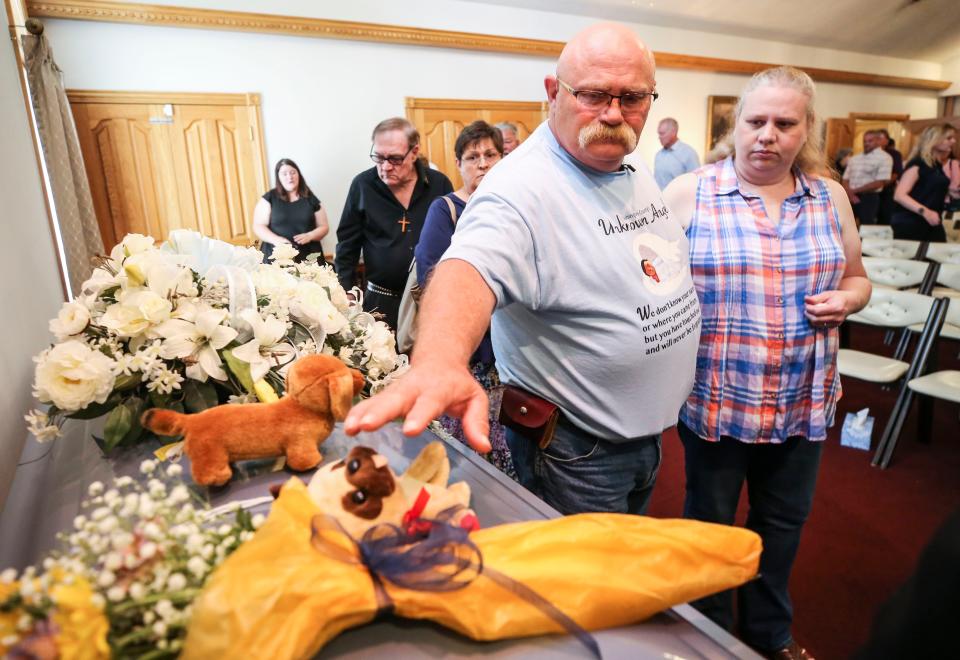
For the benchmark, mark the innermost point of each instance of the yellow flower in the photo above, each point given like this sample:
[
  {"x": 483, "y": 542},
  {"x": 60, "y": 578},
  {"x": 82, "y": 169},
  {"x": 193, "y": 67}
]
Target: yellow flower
[
  {"x": 8, "y": 620},
  {"x": 82, "y": 626}
]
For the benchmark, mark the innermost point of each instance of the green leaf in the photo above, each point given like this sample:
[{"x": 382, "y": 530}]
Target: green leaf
[
  {"x": 198, "y": 396},
  {"x": 127, "y": 382},
  {"x": 119, "y": 422},
  {"x": 136, "y": 406},
  {"x": 158, "y": 400},
  {"x": 95, "y": 410},
  {"x": 240, "y": 369}
]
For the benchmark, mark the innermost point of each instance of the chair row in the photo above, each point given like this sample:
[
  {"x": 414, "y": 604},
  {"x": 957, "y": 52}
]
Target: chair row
[
  {"x": 901, "y": 249},
  {"x": 915, "y": 314},
  {"x": 926, "y": 277},
  {"x": 950, "y": 225}
]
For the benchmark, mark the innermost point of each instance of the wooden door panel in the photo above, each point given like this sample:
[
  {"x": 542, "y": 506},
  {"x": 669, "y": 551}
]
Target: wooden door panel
[
  {"x": 441, "y": 120},
  {"x": 215, "y": 142},
  {"x": 123, "y": 150},
  {"x": 839, "y": 136}
]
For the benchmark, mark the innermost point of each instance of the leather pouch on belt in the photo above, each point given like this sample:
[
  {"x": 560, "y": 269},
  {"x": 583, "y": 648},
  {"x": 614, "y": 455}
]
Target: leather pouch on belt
[{"x": 529, "y": 415}]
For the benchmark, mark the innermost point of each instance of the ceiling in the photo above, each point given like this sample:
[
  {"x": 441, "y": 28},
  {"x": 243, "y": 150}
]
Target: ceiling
[{"x": 914, "y": 29}]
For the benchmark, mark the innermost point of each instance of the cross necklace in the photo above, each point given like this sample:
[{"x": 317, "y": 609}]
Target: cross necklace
[{"x": 403, "y": 222}]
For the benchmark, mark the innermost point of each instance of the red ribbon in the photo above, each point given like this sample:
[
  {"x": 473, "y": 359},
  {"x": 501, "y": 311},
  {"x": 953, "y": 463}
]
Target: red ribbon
[{"x": 413, "y": 522}]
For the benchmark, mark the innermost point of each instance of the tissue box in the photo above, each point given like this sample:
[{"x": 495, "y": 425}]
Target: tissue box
[{"x": 856, "y": 435}]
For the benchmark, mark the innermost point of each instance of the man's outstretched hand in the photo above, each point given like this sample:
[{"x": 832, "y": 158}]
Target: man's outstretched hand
[{"x": 423, "y": 394}]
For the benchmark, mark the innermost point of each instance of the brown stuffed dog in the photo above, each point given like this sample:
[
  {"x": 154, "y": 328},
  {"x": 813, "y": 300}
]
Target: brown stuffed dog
[
  {"x": 320, "y": 391},
  {"x": 361, "y": 491}
]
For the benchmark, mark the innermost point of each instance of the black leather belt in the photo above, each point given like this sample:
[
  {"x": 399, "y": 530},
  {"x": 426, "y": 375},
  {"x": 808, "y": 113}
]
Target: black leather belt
[{"x": 383, "y": 291}]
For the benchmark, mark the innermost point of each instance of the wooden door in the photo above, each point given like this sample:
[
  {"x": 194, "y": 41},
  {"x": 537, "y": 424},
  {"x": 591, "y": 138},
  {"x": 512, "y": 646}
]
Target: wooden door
[
  {"x": 441, "y": 120},
  {"x": 158, "y": 162},
  {"x": 839, "y": 136}
]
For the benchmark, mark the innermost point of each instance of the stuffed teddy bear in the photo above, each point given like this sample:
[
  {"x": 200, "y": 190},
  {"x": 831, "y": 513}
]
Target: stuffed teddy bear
[
  {"x": 361, "y": 491},
  {"x": 320, "y": 391}
]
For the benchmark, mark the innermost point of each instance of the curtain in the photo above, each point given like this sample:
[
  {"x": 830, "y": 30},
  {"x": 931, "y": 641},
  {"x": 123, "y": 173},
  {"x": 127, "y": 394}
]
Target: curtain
[{"x": 61, "y": 151}]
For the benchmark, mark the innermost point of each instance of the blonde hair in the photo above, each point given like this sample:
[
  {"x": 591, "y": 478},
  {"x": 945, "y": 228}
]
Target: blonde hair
[
  {"x": 811, "y": 159},
  {"x": 931, "y": 137}
]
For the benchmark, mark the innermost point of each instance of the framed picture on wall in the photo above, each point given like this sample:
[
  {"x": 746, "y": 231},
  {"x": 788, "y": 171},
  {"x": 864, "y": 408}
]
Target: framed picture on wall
[{"x": 719, "y": 118}]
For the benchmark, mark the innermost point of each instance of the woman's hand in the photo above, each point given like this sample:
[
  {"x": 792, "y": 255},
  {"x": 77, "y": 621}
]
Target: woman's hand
[
  {"x": 307, "y": 237},
  {"x": 932, "y": 217},
  {"x": 828, "y": 309}
]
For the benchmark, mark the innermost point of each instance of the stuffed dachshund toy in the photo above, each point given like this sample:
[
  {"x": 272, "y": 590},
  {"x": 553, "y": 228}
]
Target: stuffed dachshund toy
[
  {"x": 320, "y": 391},
  {"x": 361, "y": 491}
]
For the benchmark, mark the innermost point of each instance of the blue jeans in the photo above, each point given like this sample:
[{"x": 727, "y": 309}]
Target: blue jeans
[
  {"x": 579, "y": 472},
  {"x": 780, "y": 482}
]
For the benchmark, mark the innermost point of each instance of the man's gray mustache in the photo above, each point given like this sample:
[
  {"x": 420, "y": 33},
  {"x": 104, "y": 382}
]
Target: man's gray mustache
[{"x": 623, "y": 133}]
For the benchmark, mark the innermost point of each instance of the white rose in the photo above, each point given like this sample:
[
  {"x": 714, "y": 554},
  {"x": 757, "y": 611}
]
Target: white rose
[
  {"x": 124, "y": 320},
  {"x": 381, "y": 343},
  {"x": 311, "y": 306},
  {"x": 274, "y": 282},
  {"x": 71, "y": 375},
  {"x": 99, "y": 280},
  {"x": 284, "y": 253},
  {"x": 153, "y": 308},
  {"x": 130, "y": 245},
  {"x": 71, "y": 320}
]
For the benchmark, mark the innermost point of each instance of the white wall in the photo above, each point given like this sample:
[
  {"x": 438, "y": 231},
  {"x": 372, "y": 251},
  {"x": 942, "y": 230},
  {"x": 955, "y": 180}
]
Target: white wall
[
  {"x": 28, "y": 268},
  {"x": 322, "y": 97},
  {"x": 951, "y": 72}
]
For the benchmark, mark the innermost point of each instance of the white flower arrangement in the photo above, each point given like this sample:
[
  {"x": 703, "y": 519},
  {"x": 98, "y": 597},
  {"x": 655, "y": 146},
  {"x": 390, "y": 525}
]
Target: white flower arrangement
[
  {"x": 129, "y": 570},
  {"x": 194, "y": 323}
]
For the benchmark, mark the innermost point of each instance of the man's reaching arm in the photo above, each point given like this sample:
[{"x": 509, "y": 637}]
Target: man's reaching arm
[{"x": 453, "y": 318}]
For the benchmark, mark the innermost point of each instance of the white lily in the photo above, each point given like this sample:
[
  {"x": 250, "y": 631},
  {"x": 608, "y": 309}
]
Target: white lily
[
  {"x": 198, "y": 340},
  {"x": 267, "y": 335}
]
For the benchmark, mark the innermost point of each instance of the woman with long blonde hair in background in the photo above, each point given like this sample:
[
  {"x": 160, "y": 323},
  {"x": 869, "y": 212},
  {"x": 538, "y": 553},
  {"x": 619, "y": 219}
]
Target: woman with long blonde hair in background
[{"x": 925, "y": 186}]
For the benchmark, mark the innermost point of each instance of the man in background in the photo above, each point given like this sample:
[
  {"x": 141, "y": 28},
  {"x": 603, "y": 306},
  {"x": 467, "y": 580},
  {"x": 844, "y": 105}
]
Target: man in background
[
  {"x": 885, "y": 211},
  {"x": 511, "y": 139},
  {"x": 383, "y": 216},
  {"x": 865, "y": 177},
  {"x": 675, "y": 158}
]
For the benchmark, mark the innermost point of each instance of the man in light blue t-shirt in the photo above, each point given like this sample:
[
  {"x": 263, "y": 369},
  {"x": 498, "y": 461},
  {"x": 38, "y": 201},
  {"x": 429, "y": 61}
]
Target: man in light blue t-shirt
[
  {"x": 676, "y": 157},
  {"x": 585, "y": 273}
]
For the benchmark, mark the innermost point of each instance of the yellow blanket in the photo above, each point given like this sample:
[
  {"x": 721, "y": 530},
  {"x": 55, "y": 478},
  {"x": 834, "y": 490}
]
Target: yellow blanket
[{"x": 279, "y": 597}]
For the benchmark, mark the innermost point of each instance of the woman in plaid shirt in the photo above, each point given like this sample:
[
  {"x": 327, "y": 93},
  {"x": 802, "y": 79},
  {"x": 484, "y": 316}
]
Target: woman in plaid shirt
[{"x": 775, "y": 257}]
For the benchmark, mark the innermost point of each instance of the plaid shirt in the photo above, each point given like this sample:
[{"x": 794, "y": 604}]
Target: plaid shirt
[{"x": 764, "y": 374}]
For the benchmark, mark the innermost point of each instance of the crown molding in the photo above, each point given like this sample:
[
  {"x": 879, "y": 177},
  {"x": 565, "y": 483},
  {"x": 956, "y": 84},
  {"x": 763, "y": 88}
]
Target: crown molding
[
  {"x": 209, "y": 19},
  {"x": 161, "y": 98}
]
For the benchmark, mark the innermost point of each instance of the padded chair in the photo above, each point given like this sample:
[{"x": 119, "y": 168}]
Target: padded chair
[
  {"x": 897, "y": 273},
  {"x": 944, "y": 253},
  {"x": 952, "y": 227},
  {"x": 893, "y": 249},
  {"x": 895, "y": 310},
  {"x": 947, "y": 279},
  {"x": 876, "y": 231},
  {"x": 935, "y": 385}
]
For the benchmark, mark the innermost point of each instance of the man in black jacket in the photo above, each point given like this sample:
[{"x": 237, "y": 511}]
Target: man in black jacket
[{"x": 383, "y": 216}]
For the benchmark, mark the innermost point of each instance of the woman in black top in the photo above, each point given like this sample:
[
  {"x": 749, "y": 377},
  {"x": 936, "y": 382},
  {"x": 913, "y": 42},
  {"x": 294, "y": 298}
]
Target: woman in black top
[
  {"x": 290, "y": 214},
  {"x": 924, "y": 187}
]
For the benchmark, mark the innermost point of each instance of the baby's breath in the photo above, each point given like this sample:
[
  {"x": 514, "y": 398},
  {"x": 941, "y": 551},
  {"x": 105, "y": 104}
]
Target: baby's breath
[{"x": 146, "y": 551}]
